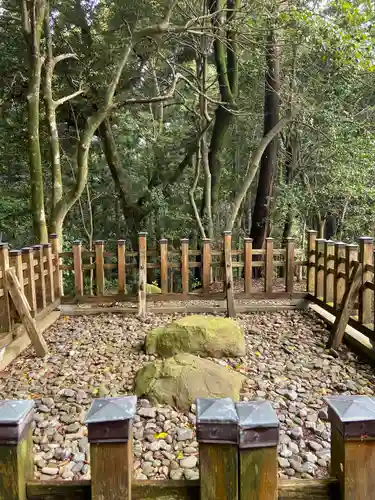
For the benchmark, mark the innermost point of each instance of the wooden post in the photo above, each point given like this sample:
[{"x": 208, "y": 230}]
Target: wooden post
[
  {"x": 268, "y": 266},
  {"x": 339, "y": 280},
  {"x": 30, "y": 272},
  {"x": 6, "y": 317},
  {"x": 77, "y": 266},
  {"x": 142, "y": 286},
  {"x": 41, "y": 294},
  {"x": 231, "y": 310},
  {"x": 311, "y": 246},
  {"x": 289, "y": 265},
  {"x": 329, "y": 266},
  {"x": 16, "y": 453},
  {"x": 50, "y": 284},
  {"x": 58, "y": 278},
  {"x": 185, "y": 266},
  {"x": 351, "y": 255},
  {"x": 319, "y": 268},
  {"x": 163, "y": 265},
  {"x": 121, "y": 266},
  {"x": 248, "y": 263},
  {"x": 109, "y": 422},
  {"x": 353, "y": 445},
  {"x": 258, "y": 440},
  {"x": 99, "y": 266},
  {"x": 217, "y": 434},
  {"x": 15, "y": 258},
  {"x": 365, "y": 295},
  {"x": 206, "y": 266}
]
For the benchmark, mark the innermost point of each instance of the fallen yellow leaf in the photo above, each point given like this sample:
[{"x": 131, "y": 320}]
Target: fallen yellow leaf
[
  {"x": 161, "y": 435},
  {"x": 179, "y": 455}
]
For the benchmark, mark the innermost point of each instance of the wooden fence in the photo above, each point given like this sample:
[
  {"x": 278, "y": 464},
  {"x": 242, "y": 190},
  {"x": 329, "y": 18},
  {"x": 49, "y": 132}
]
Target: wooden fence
[
  {"x": 38, "y": 274},
  {"x": 175, "y": 270},
  {"x": 340, "y": 278},
  {"x": 237, "y": 455}
]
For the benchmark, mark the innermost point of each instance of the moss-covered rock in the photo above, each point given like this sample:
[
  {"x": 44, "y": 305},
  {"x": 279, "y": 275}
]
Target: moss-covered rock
[
  {"x": 204, "y": 335},
  {"x": 179, "y": 380},
  {"x": 150, "y": 288}
]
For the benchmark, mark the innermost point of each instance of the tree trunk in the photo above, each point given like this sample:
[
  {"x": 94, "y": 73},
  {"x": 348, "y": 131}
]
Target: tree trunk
[
  {"x": 291, "y": 158},
  {"x": 33, "y": 17},
  {"x": 268, "y": 166}
]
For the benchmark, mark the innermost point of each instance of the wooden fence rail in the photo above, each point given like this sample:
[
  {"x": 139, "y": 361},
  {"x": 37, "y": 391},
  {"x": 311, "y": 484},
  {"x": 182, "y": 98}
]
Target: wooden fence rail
[
  {"x": 332, "y": 285},
  {"x": 237, "y": 455}
]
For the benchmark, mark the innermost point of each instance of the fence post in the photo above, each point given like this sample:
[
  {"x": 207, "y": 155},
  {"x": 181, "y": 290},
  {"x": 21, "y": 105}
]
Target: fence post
[
  {"x": 289, "y": 265},
  {"x": 268, "y": 266},
  {"x": 352, "y": 445},
  {"x": 7, "y": 323},
  {"x": 217, "y": 434},
  {"x": 142, "y": 245},
  {"x": 15, "y": 258},
  {"x": 248, "y": 264},
  {"x": 340, "y": 261},
  {"x": 121, "y": 266},
  {"x": 163, "y": 265},
  {"x": 41, "y": 294},
  {"x": 47, "y": 250},
  {"x": 58, "y": 278},
  {"x": 228, "y": 284},
  {"x": 365, "y": 295},
  {"x": 311, "y": 246},
  {"x": 351, "y": 256},
  {"x": 185, "y": 266},
  {"x": 319, "y": 268},
  {"x": 109, "y": 422},
  {"x": 77, "y": 266},
  {"x": 30, "y": 289},
  {"x": 206, "y": 265},
  {"x": 99, "y": 266},
  {"x": 16, "y": 455},
  {"x": 258, "y": 440},
  {"x": 329, "y": 266}
]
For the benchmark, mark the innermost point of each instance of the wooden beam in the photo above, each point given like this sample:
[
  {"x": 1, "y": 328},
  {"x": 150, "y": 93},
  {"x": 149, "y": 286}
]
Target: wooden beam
[
  {"x": 365, "y": 296},
  {"x": 6, "y": 322},
  {"x": 289, "y": 265},
  {"x": 20, "y": 302},
  {"x": 185, "y": 266},
  {"x": 231, "y": 309},
  {"x": 58, "y": 280},
  {"x": 268, "y": 266},
  {"x": 41, "y": 293},
  {"x": 50, "y": 275},
  {"x": 248, "y": 258},
  {"x": 319, "y": 268},
  {"x": 342, "y": 318},
  {"x": 142, "y": 284},
  {"x": 99, "y": 267},
  {"x": 28, "y": 255},
  {"x": 121, "y": 266},
  {"x": 77, "y": 265},
  {"x": 329, "y": 265},
  {"x": 163, "y": 265},
  {"x": 206, "y": 267},
  {"x": 311, "y": 245}
]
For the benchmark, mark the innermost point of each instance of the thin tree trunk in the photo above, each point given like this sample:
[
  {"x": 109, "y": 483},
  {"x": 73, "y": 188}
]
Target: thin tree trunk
[{"x": 269, "y": 159}]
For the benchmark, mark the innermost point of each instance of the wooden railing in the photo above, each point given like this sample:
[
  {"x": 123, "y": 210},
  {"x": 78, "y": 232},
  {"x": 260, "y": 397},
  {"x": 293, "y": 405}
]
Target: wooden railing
[
  {"x": 237, "y": 455},
  {"x": 179, "y": 266},
  {"x": 340, "y": 278},
  {"x": 38, "y": 274}
]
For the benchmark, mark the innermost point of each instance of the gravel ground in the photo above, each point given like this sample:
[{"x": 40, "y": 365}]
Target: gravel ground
[{"x": 95, "y": 356}]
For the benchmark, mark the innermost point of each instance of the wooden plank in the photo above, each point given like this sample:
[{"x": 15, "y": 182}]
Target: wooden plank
[
  {"x": 319, "y": 268},
  {"x": 40, "y": 282},
  {"x": 268, "y": 264},
  {"x": 218, "y": 465},
  {"x": 231, "y": 310},
  {"x": 339, "y": 276},
  {"x": 142, "y": 244},
  {"x": 185, "y": 266},
  {"x": 311, "y": 246},
  {"x": 248, "y": 264},
  {"x": 309, "y": 489},
  {"x": 58, "y": 278},
  {"x": 99, "y": 267},
  {"x": 164, "y": 265},
  {"x": 365, "y": 296},
  {"x": 59, "y": 490},
  {"x": 258, "y": 474},
  {"x": 50, "y": 285},
  {"x": 121, "y": 266},
  {"x": 30, "y": 273},
  {"x": 77, "y": 266},
  {"x": 111, "y": 471},
  {"x": 16, "y": 262},
  {"x": 329, "y": 252},
  {"x": 206, "y": 269},
  {"x": 289, "y": 265},
  {"x": 28, "y": 322},
  {"x": 343, "y": 316},
  {"x": 5, "y": 317}
]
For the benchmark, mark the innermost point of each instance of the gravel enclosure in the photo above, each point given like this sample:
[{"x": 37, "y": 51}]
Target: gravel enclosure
[{"x": 96, "y": 356}]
